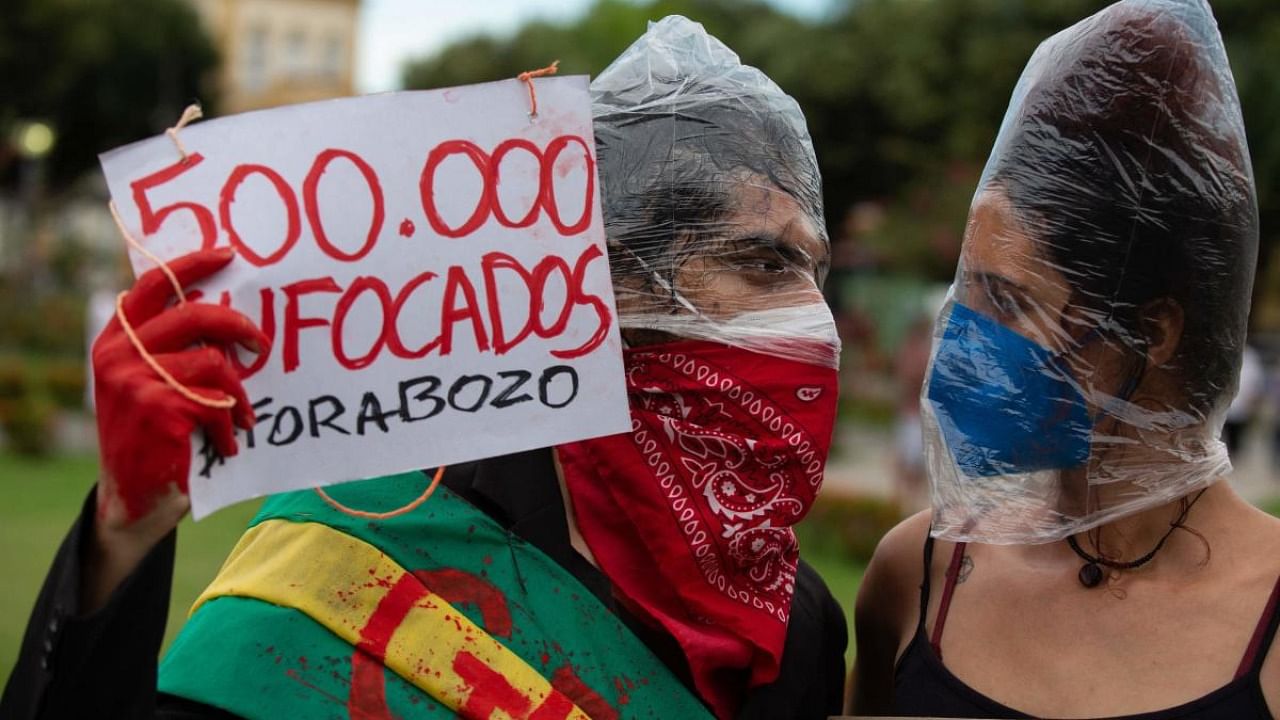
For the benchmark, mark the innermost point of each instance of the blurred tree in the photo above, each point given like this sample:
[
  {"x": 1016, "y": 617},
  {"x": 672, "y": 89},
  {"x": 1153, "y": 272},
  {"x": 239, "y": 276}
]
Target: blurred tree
[
  {"x": 898, "y": 93},
  {"x": 908, "y": 87},
  {"x": 588, "y": 44},
  {"x": 102, "y": 72},
  {"x": 1251, "y": 29}
]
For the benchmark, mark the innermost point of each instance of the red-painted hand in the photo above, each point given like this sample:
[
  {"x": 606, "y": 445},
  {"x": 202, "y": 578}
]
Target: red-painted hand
[{"x": 144, "y": 425}]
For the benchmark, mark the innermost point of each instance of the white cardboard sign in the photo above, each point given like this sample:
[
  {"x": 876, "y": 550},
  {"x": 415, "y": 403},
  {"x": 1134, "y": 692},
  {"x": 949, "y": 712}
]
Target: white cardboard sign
[{"x": 429, "y": 265}]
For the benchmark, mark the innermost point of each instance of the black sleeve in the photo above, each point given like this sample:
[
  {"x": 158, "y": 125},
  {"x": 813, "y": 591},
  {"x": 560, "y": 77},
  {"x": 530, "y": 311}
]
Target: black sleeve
[
  {"x": 98, "y": 665},
  {"x": 810, "y": 684}
]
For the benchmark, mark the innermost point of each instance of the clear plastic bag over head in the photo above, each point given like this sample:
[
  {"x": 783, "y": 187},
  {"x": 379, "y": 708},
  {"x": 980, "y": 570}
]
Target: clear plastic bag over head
[
  {"x": 712, "y": 199},
  {"x": 1091, "y": 341}
]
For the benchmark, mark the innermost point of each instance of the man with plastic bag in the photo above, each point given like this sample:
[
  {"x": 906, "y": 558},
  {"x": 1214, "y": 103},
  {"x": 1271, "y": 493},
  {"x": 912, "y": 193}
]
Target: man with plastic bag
[
  {"x": 1084, "y": 554},
  {"x": 651, "y": 574}
]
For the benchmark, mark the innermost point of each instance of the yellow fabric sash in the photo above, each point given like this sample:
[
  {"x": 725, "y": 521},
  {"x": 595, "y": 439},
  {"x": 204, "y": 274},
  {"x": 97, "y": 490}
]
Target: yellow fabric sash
[{"x": 363, "y": 596}]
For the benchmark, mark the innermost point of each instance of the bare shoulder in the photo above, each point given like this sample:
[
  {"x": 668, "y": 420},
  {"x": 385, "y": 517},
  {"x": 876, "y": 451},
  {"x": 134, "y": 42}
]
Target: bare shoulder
[
  {"x": 902, "y": 548},
  {"x": 1259, "y": 538},
  {"x": 889, "y": 595},
  {"x": 1270, "y": 527},
  {"x": 1254, "y": 533},
  {"x": 888, "y": 603}
]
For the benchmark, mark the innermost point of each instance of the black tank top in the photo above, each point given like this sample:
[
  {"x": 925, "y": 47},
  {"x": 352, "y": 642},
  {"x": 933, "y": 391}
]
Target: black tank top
[{"x": 923, "y": 686}]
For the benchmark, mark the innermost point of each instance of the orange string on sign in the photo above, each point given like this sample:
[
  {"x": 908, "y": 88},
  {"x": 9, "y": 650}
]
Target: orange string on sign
[
  {"x": 527, "y": 77},
  {"x": 435, "y": 481},
  {"x": 133, "y": 243},
  {"x": 191, "y": 113},
  {"x": 186, "y": 392}
]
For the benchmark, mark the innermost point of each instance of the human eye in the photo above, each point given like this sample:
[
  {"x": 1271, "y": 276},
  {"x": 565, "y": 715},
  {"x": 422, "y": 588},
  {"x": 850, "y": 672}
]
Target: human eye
[
  {"x": 1006, "y": 303},
  {"x": 995, "y": 297},
  {"x": 757, "y": 256},
  {"x": 761, "y": 262}
]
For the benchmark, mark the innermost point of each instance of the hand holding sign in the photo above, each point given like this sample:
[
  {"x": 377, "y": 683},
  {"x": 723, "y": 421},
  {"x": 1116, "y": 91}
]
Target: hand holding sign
[
  {"x": 428, "y": 268},
  {"x": 144, "y": 426}
]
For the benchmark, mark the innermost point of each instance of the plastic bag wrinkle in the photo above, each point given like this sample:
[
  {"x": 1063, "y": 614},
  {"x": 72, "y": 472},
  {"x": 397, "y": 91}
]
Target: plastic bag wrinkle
[
  {"x": 712, "y": 199},
  {"x": 1114, "y": 233}
]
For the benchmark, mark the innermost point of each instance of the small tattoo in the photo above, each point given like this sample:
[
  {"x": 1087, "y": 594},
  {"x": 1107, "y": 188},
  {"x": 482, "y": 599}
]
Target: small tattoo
[{"x": 966, "y": 567}]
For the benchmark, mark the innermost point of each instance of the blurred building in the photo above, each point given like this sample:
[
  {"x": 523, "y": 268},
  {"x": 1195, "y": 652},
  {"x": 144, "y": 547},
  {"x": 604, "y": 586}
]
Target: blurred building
[{"x": 277, "y": 52}]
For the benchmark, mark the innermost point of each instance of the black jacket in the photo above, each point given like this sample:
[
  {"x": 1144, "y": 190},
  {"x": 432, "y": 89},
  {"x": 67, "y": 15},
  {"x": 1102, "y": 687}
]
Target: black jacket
[{"x": 104, "y": 665}]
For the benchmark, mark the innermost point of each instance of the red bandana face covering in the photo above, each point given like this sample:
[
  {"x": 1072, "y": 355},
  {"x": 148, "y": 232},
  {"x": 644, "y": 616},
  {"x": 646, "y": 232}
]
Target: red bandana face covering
[{"x": 690, "y": 514}]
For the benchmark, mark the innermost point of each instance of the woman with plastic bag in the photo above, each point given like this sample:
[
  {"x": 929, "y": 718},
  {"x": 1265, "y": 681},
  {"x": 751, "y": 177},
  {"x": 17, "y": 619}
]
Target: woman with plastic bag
[
  {"x": 1085, "y": 556},
  {"x": 650, "y": 574}
]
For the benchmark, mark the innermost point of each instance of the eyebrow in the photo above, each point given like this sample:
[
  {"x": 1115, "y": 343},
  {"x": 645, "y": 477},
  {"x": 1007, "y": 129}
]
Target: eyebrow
[
  {"x": 764, "y": 241},
  {"x": 988, "y": 279},
  {"x": 797, "y": 252}
]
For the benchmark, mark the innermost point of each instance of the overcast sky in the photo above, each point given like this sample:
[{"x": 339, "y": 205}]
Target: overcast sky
[{"x": 392, "y": 31}]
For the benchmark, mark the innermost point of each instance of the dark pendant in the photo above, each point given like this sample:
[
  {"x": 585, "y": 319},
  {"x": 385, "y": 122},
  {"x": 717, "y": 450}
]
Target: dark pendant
[{"x": 1090, "y": 575}]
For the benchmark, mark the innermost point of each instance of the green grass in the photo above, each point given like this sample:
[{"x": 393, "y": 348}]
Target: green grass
[
  {"x": 38, "y": 501},
  {"x": 40, "y": 498}
]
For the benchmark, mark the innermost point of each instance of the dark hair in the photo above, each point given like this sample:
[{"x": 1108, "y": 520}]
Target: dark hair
[
  {"x": 670, "y": 168},
  {"x": 1127, "y": 160}
]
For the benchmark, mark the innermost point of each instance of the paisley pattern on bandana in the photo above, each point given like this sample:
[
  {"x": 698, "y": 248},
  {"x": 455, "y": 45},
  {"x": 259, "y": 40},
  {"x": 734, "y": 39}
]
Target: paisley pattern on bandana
[
  {"x": 691, "y": 514},
  {"x": 751, "y": 466}
]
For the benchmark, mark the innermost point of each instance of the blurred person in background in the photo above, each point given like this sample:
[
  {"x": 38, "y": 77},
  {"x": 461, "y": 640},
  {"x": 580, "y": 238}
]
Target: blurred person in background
[
  {"x": 99, "y": 311},
  {"x": 1248, "y": 401},
  {"x": 1273, "y": 402},
  {"x": 610, "y": 605},
  {"x": 911, "y": 364},
  {"x": 1084, "y": 557}
]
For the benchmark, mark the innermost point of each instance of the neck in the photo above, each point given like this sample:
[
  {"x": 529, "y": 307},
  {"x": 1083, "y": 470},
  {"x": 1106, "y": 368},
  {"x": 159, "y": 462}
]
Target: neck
[
  {"x": 1116, "y": 474},
  {"x": 1131, "y": 537}
]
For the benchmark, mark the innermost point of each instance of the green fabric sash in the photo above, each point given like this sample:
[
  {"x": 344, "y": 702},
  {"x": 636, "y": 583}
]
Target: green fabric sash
[{"x": 260, "y": 660}]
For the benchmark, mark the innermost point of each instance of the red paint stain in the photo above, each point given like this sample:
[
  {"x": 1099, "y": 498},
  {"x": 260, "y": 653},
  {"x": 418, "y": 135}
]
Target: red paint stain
[
  {"x": 490, "y": 691},
  {"x": 460, "y": 587},
  {"x": 368, "y": 698},
  {"x": 406, "y": 228},
  {"x": 622, "y": 685},
  {"x": 554, "y": 707},
  {"x": 565, "y": 679}
]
